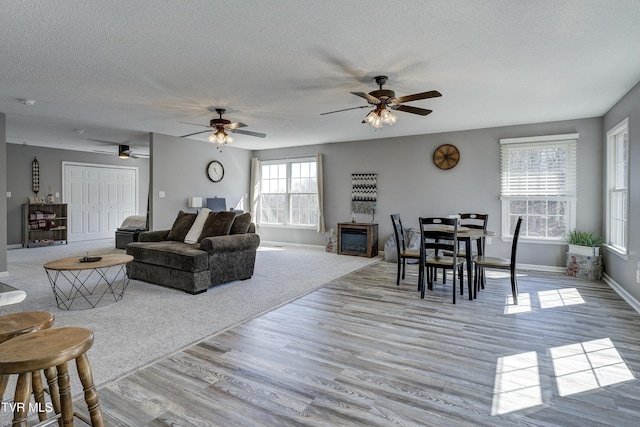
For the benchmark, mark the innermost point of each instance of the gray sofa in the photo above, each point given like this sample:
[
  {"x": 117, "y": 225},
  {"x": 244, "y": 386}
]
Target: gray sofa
[{"x": 225, "y": 250}]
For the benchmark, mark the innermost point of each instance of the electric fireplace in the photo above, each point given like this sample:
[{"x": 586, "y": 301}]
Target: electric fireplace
[{"x": 359, "y": 239}]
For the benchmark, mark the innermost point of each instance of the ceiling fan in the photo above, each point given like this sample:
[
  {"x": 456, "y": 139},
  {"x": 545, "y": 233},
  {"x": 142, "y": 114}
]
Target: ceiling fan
[
  {"x": 124, "y": 152},
  {"x": 218, "y": 128},
  {"x": 384, "y": 100}
]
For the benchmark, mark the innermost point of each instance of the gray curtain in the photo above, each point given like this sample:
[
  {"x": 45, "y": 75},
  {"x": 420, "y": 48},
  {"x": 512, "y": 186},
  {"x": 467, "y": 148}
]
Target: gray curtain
[
  {"x": 254, "y": 191},
  {"x": 321, "y": 228}
]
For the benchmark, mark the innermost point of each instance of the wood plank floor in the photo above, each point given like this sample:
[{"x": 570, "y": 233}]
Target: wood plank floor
[{"x": 363, "y": 352}]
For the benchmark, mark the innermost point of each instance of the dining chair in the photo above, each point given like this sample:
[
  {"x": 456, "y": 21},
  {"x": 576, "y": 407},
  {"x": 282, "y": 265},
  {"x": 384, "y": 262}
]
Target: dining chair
[
  {"x": 474, "y": 221},
  {"x": 401, "y": 248},
  {"x": 477, "y": 222},
  {"x": 438, "y": 235},
  {"x": 482, "y": 262}
]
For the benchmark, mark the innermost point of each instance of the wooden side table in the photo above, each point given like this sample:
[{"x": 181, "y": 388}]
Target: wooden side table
[{"x": 88, "y": 283}]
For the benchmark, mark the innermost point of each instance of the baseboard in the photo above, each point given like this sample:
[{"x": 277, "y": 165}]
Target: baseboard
[
  {"x": 4, "y": 274},
  {"x": 634, "y": 303},
  {"x": 544, "y": 268},
  {"x": 16, "y": 246}
]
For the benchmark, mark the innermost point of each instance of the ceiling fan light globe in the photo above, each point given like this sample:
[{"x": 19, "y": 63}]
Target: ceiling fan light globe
[
  {"x": 387, "y": 117},
  {"x": 376, "y": 121},
  {"x": 371, "y": 118}
]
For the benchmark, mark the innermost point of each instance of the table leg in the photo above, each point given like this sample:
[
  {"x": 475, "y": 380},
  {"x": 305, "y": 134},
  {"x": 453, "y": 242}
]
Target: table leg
[{"x": 467, "y": 247}]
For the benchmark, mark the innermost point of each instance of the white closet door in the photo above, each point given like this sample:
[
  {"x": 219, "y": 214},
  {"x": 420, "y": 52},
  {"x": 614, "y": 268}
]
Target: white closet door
[{"x": 99, "y": 198}]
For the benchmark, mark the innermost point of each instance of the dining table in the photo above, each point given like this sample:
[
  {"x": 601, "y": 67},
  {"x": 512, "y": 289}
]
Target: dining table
[{"x": 468, "y": 236}]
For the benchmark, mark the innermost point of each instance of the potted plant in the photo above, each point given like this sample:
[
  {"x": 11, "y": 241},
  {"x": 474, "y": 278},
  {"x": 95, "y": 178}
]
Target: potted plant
[{"x": 584, "y": 243}]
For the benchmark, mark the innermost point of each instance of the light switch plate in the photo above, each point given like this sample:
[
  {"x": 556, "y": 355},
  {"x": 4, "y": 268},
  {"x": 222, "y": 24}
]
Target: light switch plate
[{"x": 161, "y": 194}]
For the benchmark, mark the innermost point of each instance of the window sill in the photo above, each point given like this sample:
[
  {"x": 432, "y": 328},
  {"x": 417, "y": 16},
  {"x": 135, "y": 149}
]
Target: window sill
[
  {"x": 534, "y": 240},
  {"x": 617, "y": 252},
  {"x": 288, "y": 226}
]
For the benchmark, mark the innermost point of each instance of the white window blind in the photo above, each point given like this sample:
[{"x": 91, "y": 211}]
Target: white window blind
[
  {"x": 537, "y": 169},
  {"x": 539, "y": 182}
]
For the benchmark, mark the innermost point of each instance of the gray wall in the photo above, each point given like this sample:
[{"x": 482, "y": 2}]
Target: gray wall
[
  {"x": 623, "y": 271},
  {"x": 3, "y": 192},
  {"x": 410, "y": 184},
  {"x": 179, "y": 170},
  {"x": 19, "y": 158}
]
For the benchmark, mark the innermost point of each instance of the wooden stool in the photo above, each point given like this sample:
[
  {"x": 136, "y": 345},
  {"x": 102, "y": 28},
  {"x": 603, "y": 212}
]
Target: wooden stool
[
  {"x": 13, "y": 325},
  {"x": 50, "y": 349}
]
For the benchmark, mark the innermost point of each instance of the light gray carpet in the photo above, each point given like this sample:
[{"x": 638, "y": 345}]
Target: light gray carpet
[{"x": 152, "y": 321}]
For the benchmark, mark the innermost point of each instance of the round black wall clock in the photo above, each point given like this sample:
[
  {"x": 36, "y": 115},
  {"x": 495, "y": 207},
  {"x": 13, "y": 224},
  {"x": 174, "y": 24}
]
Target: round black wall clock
[
  {"x": 215, "y": 171},
  {"x": 446, "y": 156}
]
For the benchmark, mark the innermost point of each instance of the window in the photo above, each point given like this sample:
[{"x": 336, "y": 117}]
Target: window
[
  {"x": 289, "y": 193},
  {"x": 617, "y": 186},
  {"x": 538, "y": 182}
]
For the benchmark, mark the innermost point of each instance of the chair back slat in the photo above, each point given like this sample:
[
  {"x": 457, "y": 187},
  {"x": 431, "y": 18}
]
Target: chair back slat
[
  {"x": 473, "y": 220},
  {"x": 439, "y": 234}
]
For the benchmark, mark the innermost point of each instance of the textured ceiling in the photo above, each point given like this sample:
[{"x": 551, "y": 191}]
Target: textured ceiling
[{"x": 120, "y": 69}]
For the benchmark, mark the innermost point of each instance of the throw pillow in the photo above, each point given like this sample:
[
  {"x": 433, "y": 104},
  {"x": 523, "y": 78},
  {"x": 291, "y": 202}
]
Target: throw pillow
[
  {"x": 241, "y": 224},
  {"x": 218, "y": 224},
  {"x": 181, "y": 226},
  {"x": 198, "y": 225}
]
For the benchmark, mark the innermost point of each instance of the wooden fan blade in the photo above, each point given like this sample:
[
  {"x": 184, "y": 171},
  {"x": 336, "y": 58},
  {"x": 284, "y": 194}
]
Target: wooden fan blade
[
  {"x": 346, "y": 109},
  {"x": 413, "y": 110},
  {"x": 235, "y": 125},
  {"x": 195, "y": 133},
  {"x": 417, "y": 96},
  {"x": 248, "y": 132},
  {"x": 195, "y": 124},
  {"x": 371, "y": 99}
]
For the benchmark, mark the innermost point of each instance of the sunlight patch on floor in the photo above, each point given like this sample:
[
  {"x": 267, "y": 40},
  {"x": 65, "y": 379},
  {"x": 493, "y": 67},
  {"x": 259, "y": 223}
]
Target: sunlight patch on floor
[
  {"x": 270, "y": 248},
  {"x": 588, "y": 365},
  {"x": 559, "y": 298},
  {"x": 546, "y": 299},
  {"x": 517, "y": 383},
  {"x": 577, "y": 368},
  {"x": 523, "y": 306}
]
